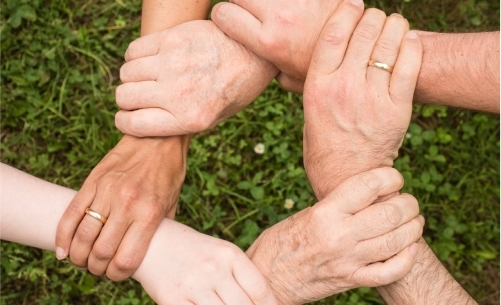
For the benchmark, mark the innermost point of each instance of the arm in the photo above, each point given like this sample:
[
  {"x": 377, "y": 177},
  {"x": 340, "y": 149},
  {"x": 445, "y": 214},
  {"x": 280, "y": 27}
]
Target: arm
[
  {"x": 427, "y": 283},
  {"x": 128, "y": 185},
  {"x": 459, "y": 70},
  {"x": 168, "y": 274}
]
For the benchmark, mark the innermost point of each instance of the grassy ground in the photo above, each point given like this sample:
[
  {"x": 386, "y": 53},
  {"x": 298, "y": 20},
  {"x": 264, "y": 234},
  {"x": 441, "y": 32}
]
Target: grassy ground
[{"x": 59, "y": 70}]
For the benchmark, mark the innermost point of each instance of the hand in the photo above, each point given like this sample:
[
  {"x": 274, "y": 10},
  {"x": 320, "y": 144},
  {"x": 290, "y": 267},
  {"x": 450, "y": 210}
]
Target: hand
[
  {"x": 183, "y": 266},
  {"x": 340, "y": 243},
  {"x": 283, "y": 32},
  {"x": 355, "y": 115},
  {"x": 185, "y": 80},
  {"x": 135, "y": 186}
]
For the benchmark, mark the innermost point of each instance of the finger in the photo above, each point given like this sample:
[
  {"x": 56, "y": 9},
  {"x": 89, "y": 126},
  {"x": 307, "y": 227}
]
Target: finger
[
  {"x": 238, "y": 24},
  {"x": 385, "y": 246},
  {"x": 379, "y": 274},
  {"x": 148, "y": 45},
  {"x": 140, "y": 69},
  {"x": 255, "y": 7},
  {"x": 85, "y": 236},
  {"x": 383, "y": 217},
  {"x": 107, "y": 243},
  {"x": 387, "y": 48},
  {"x": 137, "y": 95},
  {"x": 231, "y": 293},
  {"x": 149, "y": 122},
  {"x": 72, "y": 217},
  {"x": 404, "y": 77},
  {"x": 132, "y": 249},
  {"x": 363, "y": 40},
  {"x": 359, "y": 191},
  {"x": 333, "y": 41},
  {"x": 290, "y": 83},
  {"x": 252, "y": 281}
]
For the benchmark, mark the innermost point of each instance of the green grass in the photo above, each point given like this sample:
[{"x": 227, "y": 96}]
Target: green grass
[{"x": 59, "y": 68}]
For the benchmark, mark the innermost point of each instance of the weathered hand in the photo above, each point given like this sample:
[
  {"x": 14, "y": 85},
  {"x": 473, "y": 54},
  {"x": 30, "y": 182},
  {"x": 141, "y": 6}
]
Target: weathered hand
[
  {"x": 356, "y": 115},
  {"x": 340, "y": 243},
  {"x": 283, "y": 32},
  {"x": 185, "y": 80},
  {"x": 135, "y": 186},
  {"x": 183, "y": 266}
]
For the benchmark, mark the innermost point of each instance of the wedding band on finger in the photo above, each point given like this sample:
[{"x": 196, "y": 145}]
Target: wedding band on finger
[
  {"x": 96, "y": 215},
  {"x": 380, "y": 65}
]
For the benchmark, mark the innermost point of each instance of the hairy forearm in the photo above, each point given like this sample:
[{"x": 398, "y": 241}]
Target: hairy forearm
[
  {"x": 460, "y": 70},
  {"x": 158, "y": 15},
  {"x": 428, "y": 283}
]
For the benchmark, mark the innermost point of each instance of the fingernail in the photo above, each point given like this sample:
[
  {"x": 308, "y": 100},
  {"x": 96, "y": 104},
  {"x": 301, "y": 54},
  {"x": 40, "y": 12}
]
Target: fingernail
[
  {"x": 397, "y": 15},
  {"x": 411, "y": 35},
  {"x": 221, "y": 10},
  {"x": 60, "y": 253},
  {"x": 357, "y": 2},
  {"x": 413, "y": 249},
  {"x": 421, "y": 218}
]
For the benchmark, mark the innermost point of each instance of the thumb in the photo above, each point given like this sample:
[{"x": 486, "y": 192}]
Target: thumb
[{"x": 359, "y": 191}]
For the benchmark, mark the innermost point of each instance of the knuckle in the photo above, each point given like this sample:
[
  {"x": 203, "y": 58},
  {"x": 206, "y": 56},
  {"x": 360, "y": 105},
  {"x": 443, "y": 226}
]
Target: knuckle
[
  {"x": 136, "y": 124},
  {"x": 129, "y": 193},
  {"x": 269, "y": 43},
  {"x": 103, "y": 252},
  {"x": 285, "y": 17},
  {"x": 387, "y": 46},
  {"x": 392, "y": 214},
  {"x": 85, "y": 233},
  {"x": 391, "y": 242},
  {"x": 332, "y": 35},
  {"x": 367, "y": 32},
  {"x": 371, "y": 181},
  {"x": 411, "y": 202},
  {"x": 125, "y": 264},
  {"x": 74, "y": 210},
  {"x": 154, "y": 215}
]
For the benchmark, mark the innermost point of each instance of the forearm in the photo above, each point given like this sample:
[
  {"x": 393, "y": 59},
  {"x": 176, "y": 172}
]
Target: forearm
[
  {"x": 31, "y": 209},
  {"x": 159, "y": 15},
  {"x": 428, "y": 283},
  {"x": 460, "y": 70}
]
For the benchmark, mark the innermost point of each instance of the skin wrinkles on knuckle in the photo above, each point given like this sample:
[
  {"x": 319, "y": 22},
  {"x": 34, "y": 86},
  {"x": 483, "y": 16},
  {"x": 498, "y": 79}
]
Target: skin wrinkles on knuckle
[
  {"x": 386, "y": 46},
  {"x": 392, "y": 214},
  {"x": 333, "y": 35},
  {"x": 103, "y": 252},
  {"x": 371, "y": 181},
  {"x": 125, "y": 263},
  {"x": 85, "y": 233}
]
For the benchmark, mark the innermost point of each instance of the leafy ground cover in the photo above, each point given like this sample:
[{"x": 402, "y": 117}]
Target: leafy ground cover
[{"x": 59, "y": 68}]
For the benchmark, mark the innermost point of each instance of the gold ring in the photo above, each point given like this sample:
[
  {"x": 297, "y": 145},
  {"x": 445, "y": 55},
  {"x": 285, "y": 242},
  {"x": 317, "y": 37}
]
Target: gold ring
[
  {"x": 380, "y": 65},
  {"x": 96, "y": 215}
]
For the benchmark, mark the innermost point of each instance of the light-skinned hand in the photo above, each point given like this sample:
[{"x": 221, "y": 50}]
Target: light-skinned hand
[
  {"x": 135, "y": 186},
  {"x": 183, "y": 266},
  {"x": 283, "y": 32},
  {"x": 342, "y": 242},
  {"x": 186, "y": 80},
  {"x": 356, "y": 115}
]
